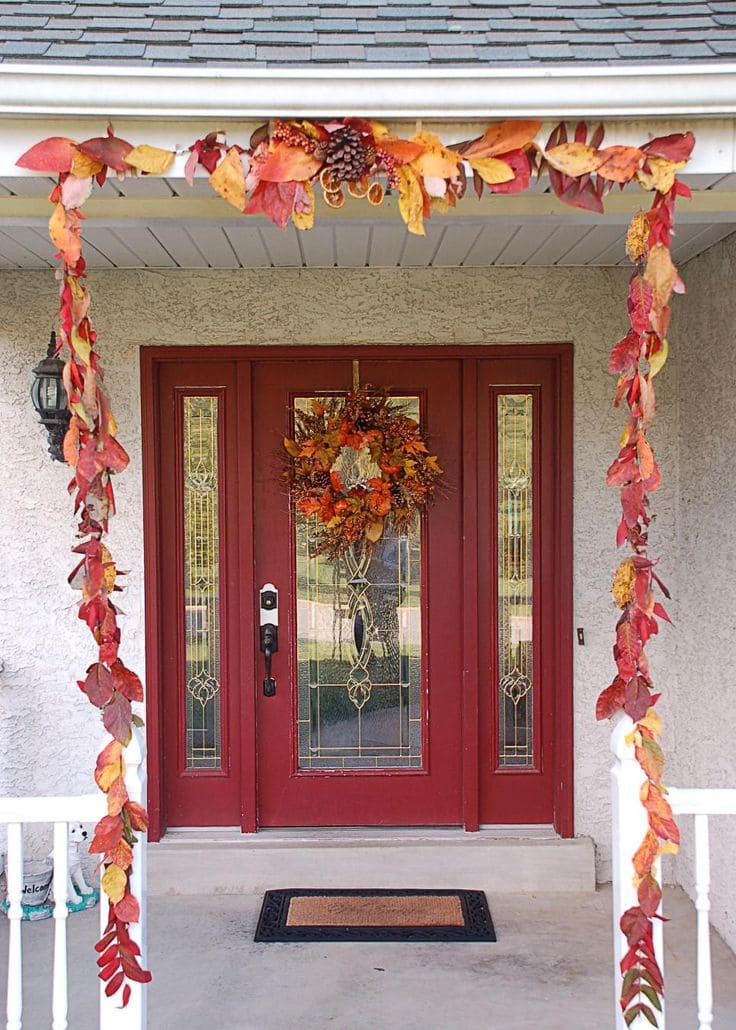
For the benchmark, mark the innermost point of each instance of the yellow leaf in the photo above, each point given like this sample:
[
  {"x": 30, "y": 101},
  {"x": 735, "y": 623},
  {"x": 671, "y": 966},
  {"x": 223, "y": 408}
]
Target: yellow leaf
[
  {"x": 411, "y": 201},
  {"x": 110, "y": 765},
  {"x": 669, "y": 847},
  {"x": 228, "y": 179},
  {"x": 623, "y": 583},
  {"x": 379, "y": 129},
  {"x": 109, "y": 573},
  {"x": 661, "y": 174},
  {"x": 114, "y": 881},
  {"x": 573, "y": 159},
  {"x": 491, "y": 170},
  {"x": 84, "y": 166},
  {"x": 437, "y": 160},
  {"x": 652, "y": 722},
  {"x": 63, "y": 236},
  {"x": 657, "y": 360},
  {"x": 305, "y": 219},
  {"x": 80, "y": 346},
  {"x": 661, "y": 274},
  {"x": 150, "y": 159}
]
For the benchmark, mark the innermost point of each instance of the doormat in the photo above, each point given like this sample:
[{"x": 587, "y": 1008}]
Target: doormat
[{"x": 374, "y": 915}]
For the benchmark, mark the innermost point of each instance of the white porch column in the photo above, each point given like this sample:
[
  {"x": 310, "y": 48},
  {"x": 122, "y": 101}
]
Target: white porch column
[
  {"x": 134, "y": 1015},
  {"x": 629, "y": 825}
]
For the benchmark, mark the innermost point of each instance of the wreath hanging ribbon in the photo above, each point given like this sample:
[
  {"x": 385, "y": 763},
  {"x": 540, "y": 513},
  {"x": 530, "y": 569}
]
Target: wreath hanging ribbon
[{"x": 358, "y": 463}]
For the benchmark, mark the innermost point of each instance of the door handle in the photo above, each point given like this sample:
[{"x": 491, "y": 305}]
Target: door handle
[{"x": 269, "y": 637}]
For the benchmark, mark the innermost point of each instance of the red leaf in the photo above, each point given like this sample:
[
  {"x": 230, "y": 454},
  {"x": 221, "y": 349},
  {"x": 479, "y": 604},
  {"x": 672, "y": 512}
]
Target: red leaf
[
  {"x": 98, "y": 686},
  {"x": 273, "y": 199},
  {"x": 632, "y": 503},
  {"x": 115, "y": 984},
  {"x": 108, "y": 833},
  {"x": 638, "y": 699},
  {"x": 105, "y": 940},
  {"x": 610, "y": 700},
  {"x": 635, "y": 926},
  {"x": 639, "y": 303},
  {"x": 128, "y": 910},
  {"x": 126, "y": 682},
  {"x": 518, "y": 161},
  {"x": 137, "y": 815},
  {"x": 625, "y": 355},
  {"x": 626, "y": 650},
  {"x": 126, "y": 995},
  {"x": 117, "y": 716},
  {"x": 661, "y": 612},
  {"x": 108, "y": 150},
  {"x": 54, "y": 154},
  {"x": 676, "y": 147},
  {"x": 108, "y": 970},
  {"x": 110, "y": 954}
]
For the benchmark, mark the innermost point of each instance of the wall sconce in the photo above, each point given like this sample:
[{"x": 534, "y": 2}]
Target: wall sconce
[{"x": 49, "y": 399}]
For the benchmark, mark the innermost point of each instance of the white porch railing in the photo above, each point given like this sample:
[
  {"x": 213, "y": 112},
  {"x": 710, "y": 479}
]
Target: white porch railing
[
  {"x": 60, "y": 812},
  {"x": 629, "y": 827}
]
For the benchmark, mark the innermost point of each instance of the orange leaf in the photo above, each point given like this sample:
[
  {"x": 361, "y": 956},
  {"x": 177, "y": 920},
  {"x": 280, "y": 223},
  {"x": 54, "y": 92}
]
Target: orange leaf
[
  {"x": 402, "y": 150},
  {"x": 502, "y": 137},
  {"x": 122, "y": 855},
  {"x": 288, "y": 164},
  {"x": 574, "y": 159},
  {"x": 137, "y": 816},
  {"x": 127, "y": 909},
  {"x": 620, "y": 164},
  {"x": 661, "y": 275},
  {"x": 63, "y": 235},
  {"x": 110, "y": 765},
  {"x": 117, "y": 795},
  {"x": 646, "y": 457},
  {"x": 71, "y": 442},
  {"x": 646, "y": 854},
  {"x": 437, "y": 160},
  {"x": 228, "y": 179}
]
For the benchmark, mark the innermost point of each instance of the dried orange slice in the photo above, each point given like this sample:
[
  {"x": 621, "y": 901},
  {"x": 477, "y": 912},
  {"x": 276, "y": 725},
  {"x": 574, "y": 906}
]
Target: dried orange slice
[
  {"x": 334, "y": 198},
  {"x": 328, "y": 180},
  {"x": 376, "y": 194},
  {"x": 359, "y": 188}
]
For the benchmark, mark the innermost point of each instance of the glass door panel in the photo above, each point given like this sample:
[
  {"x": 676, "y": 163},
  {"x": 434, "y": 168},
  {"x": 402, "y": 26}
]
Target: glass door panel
[{"x": 359, "y": 648}]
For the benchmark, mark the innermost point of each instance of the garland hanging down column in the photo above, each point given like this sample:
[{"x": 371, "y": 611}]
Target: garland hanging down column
[{"x": 277, "y": 176}]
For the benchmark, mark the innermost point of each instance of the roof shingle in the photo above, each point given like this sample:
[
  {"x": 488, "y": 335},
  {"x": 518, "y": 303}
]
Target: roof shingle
[{"x": 366, "y": 32}]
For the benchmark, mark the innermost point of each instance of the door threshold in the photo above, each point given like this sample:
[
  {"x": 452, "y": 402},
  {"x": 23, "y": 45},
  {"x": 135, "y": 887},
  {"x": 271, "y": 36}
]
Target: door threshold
[{"x": 271, "y": 836}]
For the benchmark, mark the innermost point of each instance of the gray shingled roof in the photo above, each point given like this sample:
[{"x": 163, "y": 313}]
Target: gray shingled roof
[{"x": 365, "y": 32}]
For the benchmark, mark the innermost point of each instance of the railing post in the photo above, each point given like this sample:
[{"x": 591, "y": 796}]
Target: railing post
[
  {"x": 134, "y": 1015},
  {"x": 702, "y": 906},
  {"x": 60, "y": 1001},
  {"x": 629, "y": 825},
  {"x": 14, "y": 874}
]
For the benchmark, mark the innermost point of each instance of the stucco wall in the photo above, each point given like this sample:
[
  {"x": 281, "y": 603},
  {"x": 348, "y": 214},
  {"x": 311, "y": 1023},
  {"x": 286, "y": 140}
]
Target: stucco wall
[
  {"x": 48, "y": 730},
  {"x": 705, "y": 635}
]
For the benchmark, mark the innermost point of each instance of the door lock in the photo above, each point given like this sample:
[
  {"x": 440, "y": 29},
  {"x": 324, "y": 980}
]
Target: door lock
[{"x": 269, "y": 598}]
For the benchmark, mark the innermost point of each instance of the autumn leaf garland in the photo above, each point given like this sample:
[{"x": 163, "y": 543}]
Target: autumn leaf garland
[
  {"x": 279, "y": 175},
  {"x": 636, "y": 360},
  {"x": 286, "y": 163}
]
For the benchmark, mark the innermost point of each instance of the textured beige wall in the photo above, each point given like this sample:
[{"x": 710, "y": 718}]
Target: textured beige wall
[
  {"x": 48, "y": 730},
  {"x": 705, "y": 634}
]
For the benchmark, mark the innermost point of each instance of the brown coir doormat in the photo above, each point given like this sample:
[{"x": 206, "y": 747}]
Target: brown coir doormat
[{"x": 374, "y": 915}]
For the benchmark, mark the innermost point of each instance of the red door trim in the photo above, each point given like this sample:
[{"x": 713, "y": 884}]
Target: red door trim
[
  {"x": 471, "y": 684},
  {"x": 562, "y": 354}
]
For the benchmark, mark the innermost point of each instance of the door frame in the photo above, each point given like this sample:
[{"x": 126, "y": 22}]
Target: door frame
[{"x": 561, "y": 355}]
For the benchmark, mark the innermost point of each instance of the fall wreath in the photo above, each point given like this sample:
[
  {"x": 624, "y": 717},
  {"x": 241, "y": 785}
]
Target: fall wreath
[{"x": 358, "y": 463}]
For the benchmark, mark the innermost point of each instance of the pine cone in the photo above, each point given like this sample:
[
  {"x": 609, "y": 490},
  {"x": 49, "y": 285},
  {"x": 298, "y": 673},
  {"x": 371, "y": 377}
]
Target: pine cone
[
  {"x": 346, "y": 156},
  {"x": 321, "y": 479}
]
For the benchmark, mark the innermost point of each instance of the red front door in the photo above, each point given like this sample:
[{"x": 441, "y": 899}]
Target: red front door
[
  {"x": 426, "y": 684},
  {"x": 327, "y": 755}
]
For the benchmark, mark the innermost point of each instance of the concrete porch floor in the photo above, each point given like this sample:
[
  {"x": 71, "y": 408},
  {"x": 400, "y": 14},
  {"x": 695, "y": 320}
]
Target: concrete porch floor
[{"x": 551, "y": 969}]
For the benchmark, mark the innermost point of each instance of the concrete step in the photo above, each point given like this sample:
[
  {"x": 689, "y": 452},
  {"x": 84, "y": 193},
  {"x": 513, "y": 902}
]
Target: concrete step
[{"x": 494, "y": 860}]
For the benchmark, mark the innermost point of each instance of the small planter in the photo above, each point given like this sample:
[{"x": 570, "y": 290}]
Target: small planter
[{"x": 37, "y": 878}]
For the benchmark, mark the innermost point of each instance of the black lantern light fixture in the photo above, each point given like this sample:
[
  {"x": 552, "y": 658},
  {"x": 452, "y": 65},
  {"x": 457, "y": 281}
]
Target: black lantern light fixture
[{"x": 49, "y": 399}]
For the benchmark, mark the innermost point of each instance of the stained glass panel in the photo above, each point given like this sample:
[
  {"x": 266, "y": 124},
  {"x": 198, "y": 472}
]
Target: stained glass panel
[
  {"x": 359, "y": 650},
  {"x": 202, "y": 584},
  {"x": 515, "y": 622}
]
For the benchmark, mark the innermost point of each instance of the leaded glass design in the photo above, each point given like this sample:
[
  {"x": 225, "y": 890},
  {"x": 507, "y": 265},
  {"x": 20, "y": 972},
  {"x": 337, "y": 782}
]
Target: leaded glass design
[
  {"x": 202, "y": 584},
  {"x": 515, "y": 622},
  {"x": 359, "y": 650}
]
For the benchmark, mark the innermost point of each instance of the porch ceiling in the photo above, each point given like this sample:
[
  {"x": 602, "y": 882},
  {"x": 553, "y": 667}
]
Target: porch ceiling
[{"x": 160, "y": 223}]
